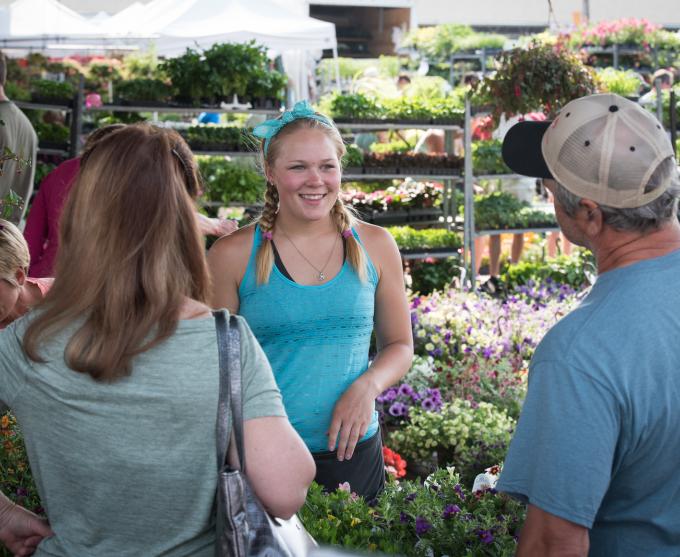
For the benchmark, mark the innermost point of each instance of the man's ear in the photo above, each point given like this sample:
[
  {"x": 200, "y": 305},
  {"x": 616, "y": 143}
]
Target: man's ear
[
  {"x": 590, "y": 218},
  {"x": 20, "y": 276}
]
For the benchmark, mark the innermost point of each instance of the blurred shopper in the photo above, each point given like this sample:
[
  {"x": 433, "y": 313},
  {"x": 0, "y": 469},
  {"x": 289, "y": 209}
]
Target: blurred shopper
[{"x": 18, "y": 136}]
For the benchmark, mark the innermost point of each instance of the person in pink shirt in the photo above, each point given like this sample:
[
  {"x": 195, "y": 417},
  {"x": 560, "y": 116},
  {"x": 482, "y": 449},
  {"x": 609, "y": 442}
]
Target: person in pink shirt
[
  {"x": 18, "y": 293},
  {"x": 42, "y": 224}
]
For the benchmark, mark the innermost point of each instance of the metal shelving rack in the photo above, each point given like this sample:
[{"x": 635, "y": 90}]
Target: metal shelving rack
[{"x": 448, "y": 208}]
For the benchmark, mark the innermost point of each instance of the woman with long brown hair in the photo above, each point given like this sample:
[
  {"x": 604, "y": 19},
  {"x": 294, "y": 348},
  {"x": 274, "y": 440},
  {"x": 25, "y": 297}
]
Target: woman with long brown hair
[
  {"x": 114, "y": 377},
  {"x": 313, "y": 283}
]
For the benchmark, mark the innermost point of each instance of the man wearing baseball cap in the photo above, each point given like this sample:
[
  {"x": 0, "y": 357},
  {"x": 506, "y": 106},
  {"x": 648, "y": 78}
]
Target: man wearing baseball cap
[{"x": 597, "y": 447}]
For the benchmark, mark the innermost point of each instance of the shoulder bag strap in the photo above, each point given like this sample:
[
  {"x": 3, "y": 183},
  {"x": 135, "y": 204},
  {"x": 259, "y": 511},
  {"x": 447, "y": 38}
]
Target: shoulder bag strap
[
  {"x": 223, "y": 407},
  {"x": 236, "y": 389},
  {"x": 231, "y": 395}
]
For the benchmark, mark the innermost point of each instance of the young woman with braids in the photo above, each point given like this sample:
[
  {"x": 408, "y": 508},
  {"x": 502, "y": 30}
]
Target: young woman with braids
[{"x": 313, "y": 283}]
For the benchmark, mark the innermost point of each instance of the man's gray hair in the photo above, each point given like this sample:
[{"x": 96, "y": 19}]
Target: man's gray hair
[{"x": 640, "y": 219}]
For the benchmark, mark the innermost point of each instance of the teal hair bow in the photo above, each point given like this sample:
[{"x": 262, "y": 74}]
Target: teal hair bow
[{"x": 270, "y": 128}]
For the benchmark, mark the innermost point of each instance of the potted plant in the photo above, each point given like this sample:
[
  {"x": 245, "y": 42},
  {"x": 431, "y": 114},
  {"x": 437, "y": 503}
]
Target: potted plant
[
  {"x": 142, "y": 92},
  {"x": 52, "y": 92},
  {"x": 539, "y": 77}
]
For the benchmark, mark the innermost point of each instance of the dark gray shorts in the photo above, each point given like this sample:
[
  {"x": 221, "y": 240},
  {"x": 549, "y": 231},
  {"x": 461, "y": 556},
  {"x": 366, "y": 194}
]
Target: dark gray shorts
[{"x": 365, "y": 471}]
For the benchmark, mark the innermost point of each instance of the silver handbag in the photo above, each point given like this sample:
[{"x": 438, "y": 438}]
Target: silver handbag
[{"x": 244, "y": 527}]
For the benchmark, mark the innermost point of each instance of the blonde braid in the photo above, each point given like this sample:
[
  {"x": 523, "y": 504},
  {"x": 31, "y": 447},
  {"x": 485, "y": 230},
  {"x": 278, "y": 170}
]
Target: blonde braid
[
  {"x": 345, "y": 219},
  {"x": 264, "y": 259}
]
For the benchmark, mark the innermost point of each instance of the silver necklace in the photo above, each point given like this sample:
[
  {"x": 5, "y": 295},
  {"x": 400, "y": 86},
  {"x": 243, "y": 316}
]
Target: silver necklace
[{"x": 320, "y": 272}]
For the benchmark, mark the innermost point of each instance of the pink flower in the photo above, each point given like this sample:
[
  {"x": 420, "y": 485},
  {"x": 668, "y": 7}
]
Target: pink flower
[{"x": 93, "y": 100}]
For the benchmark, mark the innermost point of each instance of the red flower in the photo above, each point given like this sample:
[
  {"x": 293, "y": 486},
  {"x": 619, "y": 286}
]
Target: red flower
[
  {"x": 394, "y": 464},
  {"x": 518, "y": 91}
]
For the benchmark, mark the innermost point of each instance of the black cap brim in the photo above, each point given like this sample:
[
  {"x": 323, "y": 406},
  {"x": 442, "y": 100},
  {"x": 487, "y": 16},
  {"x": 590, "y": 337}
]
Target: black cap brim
[{"x": 522, "y": 149}]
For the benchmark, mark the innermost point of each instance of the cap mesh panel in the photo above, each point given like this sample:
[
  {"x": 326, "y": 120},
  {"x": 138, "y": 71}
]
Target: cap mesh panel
[
  {"x": 581, "y": 160},
  {"x": 630, "y": 167}
]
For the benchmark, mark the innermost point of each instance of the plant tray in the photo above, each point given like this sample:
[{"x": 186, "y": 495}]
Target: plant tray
[{"x": 39, "y": 99}]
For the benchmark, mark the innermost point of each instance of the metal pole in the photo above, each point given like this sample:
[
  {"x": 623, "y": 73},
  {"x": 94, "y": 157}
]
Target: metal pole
[
  {"x": 659, "y": 100},
  {"x": 469, "y": 217},
  {"x": 586, "y": 10},
  {"x": 77, "y": 118},
  {"x": 673, "y": 119},
  {"x": 338, "y": 87}
]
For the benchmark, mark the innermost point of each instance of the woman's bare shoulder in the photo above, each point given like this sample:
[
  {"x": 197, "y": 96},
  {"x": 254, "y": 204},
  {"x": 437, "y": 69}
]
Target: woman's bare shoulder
[{"x": 235, "y": 245}]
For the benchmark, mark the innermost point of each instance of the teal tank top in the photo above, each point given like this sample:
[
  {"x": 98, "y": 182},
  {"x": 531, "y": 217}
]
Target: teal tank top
[{"x": 315, "y": 337}]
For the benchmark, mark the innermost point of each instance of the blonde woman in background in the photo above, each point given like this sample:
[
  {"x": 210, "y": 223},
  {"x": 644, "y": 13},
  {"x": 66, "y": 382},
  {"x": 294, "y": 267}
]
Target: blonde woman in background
[{"x": 18, "y": 293}]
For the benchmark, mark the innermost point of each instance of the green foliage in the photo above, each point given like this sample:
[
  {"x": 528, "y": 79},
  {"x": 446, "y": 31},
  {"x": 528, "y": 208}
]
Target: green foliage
[
  {"x": 428, "y": 275},
  {"x": 16, "y": 480},
  {"x": 625, "y": 83},
  {"x": 12, "y": 203},
  {"x": 219, "y": 138},
  {"x": 351, "y": 68},
  {"x": 496, "y": 211},
  {"x": 563, "y": 269},
  {"x": 141, "y": 65},
  {"x": 42, "y": 169},
  {"x": 363, "y": 106},
  {"x": 487, "y": 158},
  {"x": 52, "y": 133},
  {"x": 141, "y": 89},
  {"x": 469, "y": 437},
  {"x": 354, "y": 157},
  {"x": 352, "y": 106},
  {"x": 440, "y": 42},
  {"x": 53, "y": 90},
  {"x": 538, "y": 77},
  {"x": 230, "y": 181},
  {"x": 17, "y": 92},
  {"x": 188, "y": 74},
  {"x": 408, "y": 238},
  {"x": 224, "y": 70},
  {"x": 437, "y": 517}
]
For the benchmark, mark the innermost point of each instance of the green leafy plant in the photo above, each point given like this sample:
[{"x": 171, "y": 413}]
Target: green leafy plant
[
  {"x": 54, "y": 133},
  {"x": 141, "y": 89},
  {"x": 189, "y": 75},
  {"x": 16, "y": 91},
  {"x": 354, "y": 157},
  {"x": 45, "y": 89},
  {"x": 408, "y": 238},
  {"x": 351, "y": 106},
  {"x": 217, "y": 137},
  {"x": 428, "y": 275},
  {"x": 496, "y": 211},
  {"x": 538, "y": 77},
  {"x": 563, "y": 269},
  {"x": 437, "y": 517},
  {"x": 487, "y": 158},
  {"x": 625, "y": 83},
  {"x": 16, "y": 480},
  {"x": 230, "y": 181},
  {"x": 469, "y": 436}
]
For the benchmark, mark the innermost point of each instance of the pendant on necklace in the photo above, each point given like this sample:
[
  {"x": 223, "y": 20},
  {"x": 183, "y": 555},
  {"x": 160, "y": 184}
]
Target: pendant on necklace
[{"x": 322, "y": 277}]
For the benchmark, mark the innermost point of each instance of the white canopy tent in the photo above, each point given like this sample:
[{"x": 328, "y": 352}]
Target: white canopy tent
[
  {"x": 50, "y": 26},
  {"x": 280, "y": 26}
]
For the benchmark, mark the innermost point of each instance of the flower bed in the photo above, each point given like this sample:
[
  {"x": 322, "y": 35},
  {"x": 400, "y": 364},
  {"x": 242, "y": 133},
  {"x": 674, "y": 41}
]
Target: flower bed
[{"x": 438, "y": 517}]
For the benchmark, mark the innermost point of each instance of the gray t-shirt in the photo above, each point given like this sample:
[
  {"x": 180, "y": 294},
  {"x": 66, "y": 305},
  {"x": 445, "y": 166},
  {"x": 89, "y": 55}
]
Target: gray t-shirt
[
  {"x": 129, "y": 468},
  {"x": 17, "y": 134}
]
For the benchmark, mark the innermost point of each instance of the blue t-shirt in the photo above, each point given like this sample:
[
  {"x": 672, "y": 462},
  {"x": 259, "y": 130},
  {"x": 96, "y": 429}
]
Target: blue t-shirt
[{"x": 598, "y": 441}]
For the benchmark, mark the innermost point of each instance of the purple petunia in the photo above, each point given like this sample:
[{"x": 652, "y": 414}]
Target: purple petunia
[
  {"x": 405, "y": 390},
  {"x": 403, "y": 517},
  {"x": 398, "y": 409},
  {"x": 485, "y": 536},
  {"x": 459, "y": 491},
  {"x": 422, "y": 525},
  {"x": 450, "y": 510}
]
